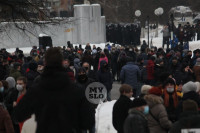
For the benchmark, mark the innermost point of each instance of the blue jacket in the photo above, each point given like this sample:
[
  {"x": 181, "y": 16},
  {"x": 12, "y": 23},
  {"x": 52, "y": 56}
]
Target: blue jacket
[{"x": 130, "y": 74}]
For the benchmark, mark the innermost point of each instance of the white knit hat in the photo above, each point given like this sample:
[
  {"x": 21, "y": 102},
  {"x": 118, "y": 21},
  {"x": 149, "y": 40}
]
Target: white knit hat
[
  {"x": 145, "y": 89},
  {"x": 189, "y": 86}
]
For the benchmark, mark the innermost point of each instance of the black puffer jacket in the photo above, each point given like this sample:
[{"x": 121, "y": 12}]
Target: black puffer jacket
[
  {"x": 57, "y": 104},
  {"x": 120, "y": 112},
  {"x": 136, "y": 122},
  {"x": 188, "y": 120}
]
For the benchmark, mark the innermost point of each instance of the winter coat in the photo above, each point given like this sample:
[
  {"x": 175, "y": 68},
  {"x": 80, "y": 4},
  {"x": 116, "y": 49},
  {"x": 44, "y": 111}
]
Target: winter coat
[
  {"x": 175, "y": 70},
  {"x": 120, "y": 112},
  {"x": 57, "y": 104},
  {"x": 159, "y": 122},
  {"x": 5, "y": 121},
  {"x": 31, "y": 75},
  {"x": 192, "y": 95},
  {"x": 188, "y": 120},
  {"x": 187, "y": 76},
  {"x": 165, "y": 32},
  {"x": 12, "y": 95},
  {"x": 136, "y": 122},
  {"x": 15, "y": 74},
  {"x": 196, "y": 70},
  {"x": 3, "y": 72},
  {"x": 105, "y": 77},
  {"x": 130, "y": 74},
  {"x": 158, "y": 70},
  {"x": 150, "y": 70}
]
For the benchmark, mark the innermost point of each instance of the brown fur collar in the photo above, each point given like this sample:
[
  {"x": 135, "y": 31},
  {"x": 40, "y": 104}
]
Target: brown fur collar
[{"x": 153, "y": 99}]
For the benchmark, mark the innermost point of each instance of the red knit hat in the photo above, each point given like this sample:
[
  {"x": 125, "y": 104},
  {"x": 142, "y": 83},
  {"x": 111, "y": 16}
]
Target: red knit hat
[{"x": 156, "y": 91}]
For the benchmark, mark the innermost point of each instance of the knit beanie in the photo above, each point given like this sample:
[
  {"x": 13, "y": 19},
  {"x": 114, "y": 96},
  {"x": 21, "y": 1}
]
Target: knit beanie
[
  {"x": 190, "y": 105},
  {"x": 145, "y": 89},
  {"x": 156, "y": 91},
  {"x": 189, "y": 86},
  {"x": 137, "y": 102}
]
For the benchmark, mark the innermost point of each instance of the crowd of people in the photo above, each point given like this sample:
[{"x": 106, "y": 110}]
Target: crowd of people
[
  {"x": 51, "y": 85},
  {"x": 126, "y": 34},
  {"x": 181, "y": 35}
]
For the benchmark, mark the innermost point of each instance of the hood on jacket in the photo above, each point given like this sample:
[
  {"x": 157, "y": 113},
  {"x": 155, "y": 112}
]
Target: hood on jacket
[
  {"x": 11, "y": 82},
  {"x": 102, "y": 63},
  {"x": 77, "y": 63},
  {"x": 153, "y": 100}
]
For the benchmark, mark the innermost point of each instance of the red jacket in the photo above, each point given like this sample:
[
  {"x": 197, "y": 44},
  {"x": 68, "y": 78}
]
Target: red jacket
[{"x": 150, "y": 70}]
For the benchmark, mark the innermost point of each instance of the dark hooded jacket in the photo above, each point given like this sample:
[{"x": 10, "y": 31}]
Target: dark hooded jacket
[
  {"x": 104, "y": 77},
  {"x": 57, "y": 104}
]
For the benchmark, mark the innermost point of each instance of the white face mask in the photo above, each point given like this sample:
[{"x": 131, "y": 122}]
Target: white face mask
[
  {"x": 19, "y": 87},
  {"x": 170, "y": 90}
]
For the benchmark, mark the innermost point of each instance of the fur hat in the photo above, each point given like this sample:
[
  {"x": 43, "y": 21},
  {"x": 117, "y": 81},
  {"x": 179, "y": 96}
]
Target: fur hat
[
  {"x": 137, "y": 102},
  {"x": 145, "y": 89},
  {"x": 156, "y": 91},
  {"x": 189, "y": 86},
  {"x": 190, "y": 105}
]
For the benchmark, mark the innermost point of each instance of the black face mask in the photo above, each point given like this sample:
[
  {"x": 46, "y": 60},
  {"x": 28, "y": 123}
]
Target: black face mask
[
  {"x": 82, "y": 78},
  {"x": 86, "y": 68},
  {"x": 106, "y": 66}
]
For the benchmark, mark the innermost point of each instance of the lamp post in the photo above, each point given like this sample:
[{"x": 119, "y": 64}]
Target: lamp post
[
  {"x": 172, "y": 26},
  {"x": 138, "y": 13},
  {"x": 158, "y": 12},
  {"x": 148, "y": 29}
]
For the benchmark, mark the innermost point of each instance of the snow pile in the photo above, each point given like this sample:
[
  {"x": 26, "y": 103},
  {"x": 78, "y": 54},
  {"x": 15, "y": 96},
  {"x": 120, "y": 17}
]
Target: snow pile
[{"x": 104, "y": 118}]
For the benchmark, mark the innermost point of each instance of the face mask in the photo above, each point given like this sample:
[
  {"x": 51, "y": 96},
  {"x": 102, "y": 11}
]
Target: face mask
[
  {"x": 82, "y": 77},
  {"x": 65, "y": 66},
  {"x": 2, "y": 89},
  {"x": 170, "y": 90},
  {"x": 86, "y": 68},
  {"x": 106, "y": 66},
  {"x": 146, "y": 110},
  {"x": 19, "y": 87}
]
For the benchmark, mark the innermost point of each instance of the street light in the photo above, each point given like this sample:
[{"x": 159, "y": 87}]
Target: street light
[
  {"x": 138, "y": 13},
  {"x": 158, "y": 12},
  {"x": 148, "y": 30}
]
